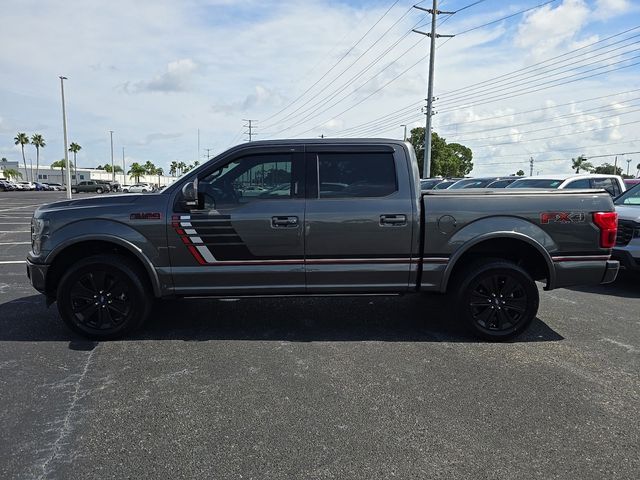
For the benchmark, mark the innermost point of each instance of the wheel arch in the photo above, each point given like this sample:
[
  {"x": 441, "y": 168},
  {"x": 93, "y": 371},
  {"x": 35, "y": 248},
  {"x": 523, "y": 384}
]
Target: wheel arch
[
  {"x": 513, "y": 246},
  {"x": 66, "y": 253}
]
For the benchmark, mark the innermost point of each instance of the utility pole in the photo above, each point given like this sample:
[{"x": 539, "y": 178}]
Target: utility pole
[
  {"x": 124, "y": 169},
  {"x": 198, "y": 155},
  {"x": 64, "y": 129},
  {"x": 628, "y": 163},
  {"x": 404, "y": 137},
  {"x": 531, "y": 165},
  {"x": 249, "y": 127},
  {"x": 426, "y": 170},
  {"x": 208, "y": 150},
  {"x": 113, "y": 170}
]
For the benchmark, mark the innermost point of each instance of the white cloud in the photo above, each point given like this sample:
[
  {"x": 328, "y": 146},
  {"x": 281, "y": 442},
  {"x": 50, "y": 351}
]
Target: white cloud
[
  {"x": 546, "y": 29},
  {"x": 177, "y": 78},
  {"x": 610, "y": 8}
]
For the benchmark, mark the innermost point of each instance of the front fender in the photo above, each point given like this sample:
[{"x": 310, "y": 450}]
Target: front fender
[
  {"x": 491, "y": 228},
  {"x": 107, "y": 231}
]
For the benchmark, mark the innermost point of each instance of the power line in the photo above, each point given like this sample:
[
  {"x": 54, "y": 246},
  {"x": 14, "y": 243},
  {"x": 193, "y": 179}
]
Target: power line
[
  {"x": 557, "y": 159},
  {"x": 335, "y": 65}
]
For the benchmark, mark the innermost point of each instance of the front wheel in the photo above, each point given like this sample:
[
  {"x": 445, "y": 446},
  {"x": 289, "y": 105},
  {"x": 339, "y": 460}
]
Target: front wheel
[
  {"x": 99, "y": 190},
  {"x": 74, "y": 190},
  {"x": 497, "y": 299},
  {"x": 104, "y": 297}
]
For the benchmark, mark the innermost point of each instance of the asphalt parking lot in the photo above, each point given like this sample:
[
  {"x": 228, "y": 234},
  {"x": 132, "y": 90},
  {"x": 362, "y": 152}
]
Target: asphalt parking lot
[{"x": 367, "y": 388}]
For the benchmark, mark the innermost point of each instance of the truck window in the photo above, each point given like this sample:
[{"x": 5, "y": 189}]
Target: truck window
[
  {"x": 606, "y": 184},
  {"x": 345, "y": 175},
  {"x": 248, "y": 179},
  {"x": 582, "y": 183}
]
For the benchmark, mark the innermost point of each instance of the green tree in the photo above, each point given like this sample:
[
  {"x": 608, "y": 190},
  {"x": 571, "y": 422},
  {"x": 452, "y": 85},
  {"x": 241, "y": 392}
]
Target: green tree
[
  {"x": 37, "y": 141},
  {"x": 608, "y": 169},
  {"x": 11, "y": 173},
  {"x": 136, "y": 171},
  {"x": 61, "y": 164},
  {"x": 173, "y": 168},
  {"x": 107, "y": 168},
  {"x": 181, "y": 168},
  {"x": 150, "y": 168},
  {"x": 448, "y": 160},
  {"x": 75, "y": 148},
  {"x": 159, "y": 172},
  {"x": 22, "y": 139},
  {"x": 581, "y": 163},
  {"x": 520, "y": 173}
]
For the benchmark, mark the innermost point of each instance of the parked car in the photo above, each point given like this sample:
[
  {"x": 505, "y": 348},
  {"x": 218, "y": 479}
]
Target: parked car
[
  {"x": 627, "y": 249},
  {"x": 113, "y": 186},
  {"x": 430, "y": 183},
  {"x": 502, "y": 183},
  {"x": 141, "y": 188},
  {"x": 105, "y": 260},
  {"x": 56, "y": 186},
  {"x": 473, "y": 182},
  {"x": 7, "y": 186},
  {"x": 27, "y": 185},
  {"x": 444, "y": 185},
  {"x": 42, "y": 186},
  {"x": 611, "y": 183},
  {"x": 252, "y": 191},
  {"x": 630, "y": 182},
  {"x": 90, "y": 186}
]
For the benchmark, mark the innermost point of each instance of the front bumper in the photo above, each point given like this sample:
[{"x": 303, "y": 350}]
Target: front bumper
[{"x": 37, "y": 274}]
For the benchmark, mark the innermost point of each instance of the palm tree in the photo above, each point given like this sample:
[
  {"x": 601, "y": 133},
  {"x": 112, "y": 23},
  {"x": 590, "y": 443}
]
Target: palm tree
[
  {"x": 11, "y": 173},
  {"x": 61, "y": 164},
  {"x": 581, "y": 163},
  {"x": 75, "y": 148},
  {"x": 37, "y": 141},
  {"x": 136, "y": 171},
  {"x": 150, "y": 168},
  {"x": 173, "y": 168},
  {"x": 159, "y": 172},
  {"x": 181, "y": 168},
  {"x": 638, "y": 172},
  {"x": 22, "y": 139}
]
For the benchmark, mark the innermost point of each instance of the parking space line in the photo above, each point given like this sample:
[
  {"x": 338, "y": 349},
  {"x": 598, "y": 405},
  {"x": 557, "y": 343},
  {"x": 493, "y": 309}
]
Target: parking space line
[
  {"x": 12, "y": 223},
  {"x": 12, "y": 262},
  {"x": 17, "y": 208},
  {"x": 16, "y": 243},
  {"x": 15, "y": 231}
]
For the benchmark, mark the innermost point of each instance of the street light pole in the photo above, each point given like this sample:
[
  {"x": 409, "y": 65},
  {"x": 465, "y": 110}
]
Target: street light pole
[
  {"x": 113, "y": 170},
  {"x": 404, "y": 137},
  {"x": 64, "y": 130},
  {"x": 124, "y": 169},
  {"x": 628, "y": 163}
]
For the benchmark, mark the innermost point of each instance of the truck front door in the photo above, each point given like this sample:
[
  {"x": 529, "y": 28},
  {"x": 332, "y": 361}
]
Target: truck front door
[
  {"x": 359, "y": 219},
  {"x": 245, "y": 235}
]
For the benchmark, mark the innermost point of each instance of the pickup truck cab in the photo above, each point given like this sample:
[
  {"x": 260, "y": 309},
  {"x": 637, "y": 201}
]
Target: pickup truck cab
[{"x": 336, "y": 217}]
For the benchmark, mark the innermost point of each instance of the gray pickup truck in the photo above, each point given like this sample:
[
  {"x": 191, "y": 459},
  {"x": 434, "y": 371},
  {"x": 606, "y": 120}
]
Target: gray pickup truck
[{"x": 330, "y": 217}]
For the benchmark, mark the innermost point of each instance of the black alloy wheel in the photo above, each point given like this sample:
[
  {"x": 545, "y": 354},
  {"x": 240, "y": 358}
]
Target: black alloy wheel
[
  {"x": 498, "y": 299},
  {"x": 104, "y": 297}
]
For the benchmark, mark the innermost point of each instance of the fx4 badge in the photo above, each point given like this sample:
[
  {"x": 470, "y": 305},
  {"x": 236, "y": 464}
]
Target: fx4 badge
[{"x": 561, "y": 217}]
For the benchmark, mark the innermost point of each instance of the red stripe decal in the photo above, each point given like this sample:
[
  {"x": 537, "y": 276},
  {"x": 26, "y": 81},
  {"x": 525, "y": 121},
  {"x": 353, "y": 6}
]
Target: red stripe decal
[
  {"x": 180, "y": 231},
  {"x": 196, "y": 254},
  {"x": 186, "y": 240}
]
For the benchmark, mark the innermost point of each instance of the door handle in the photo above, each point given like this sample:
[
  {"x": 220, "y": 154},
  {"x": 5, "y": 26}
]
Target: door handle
[
  {"x": 393, "y": 220},
  {"x": 284, "y": 222}
]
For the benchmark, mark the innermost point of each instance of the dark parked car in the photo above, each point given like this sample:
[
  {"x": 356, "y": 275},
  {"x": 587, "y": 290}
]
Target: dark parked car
[
  {"x": 90, "y": 186},
  {"x": 474, "y": 182},
  {"x": 502, "y": 183},
  {"x": 6, "y": 186}
]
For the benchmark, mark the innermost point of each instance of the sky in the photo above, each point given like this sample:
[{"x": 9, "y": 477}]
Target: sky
[{"x": 552, "y": 83}]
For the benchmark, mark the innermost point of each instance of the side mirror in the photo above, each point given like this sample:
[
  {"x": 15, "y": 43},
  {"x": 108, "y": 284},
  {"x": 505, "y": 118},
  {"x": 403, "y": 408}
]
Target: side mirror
[{"x": 190, "y": 193}]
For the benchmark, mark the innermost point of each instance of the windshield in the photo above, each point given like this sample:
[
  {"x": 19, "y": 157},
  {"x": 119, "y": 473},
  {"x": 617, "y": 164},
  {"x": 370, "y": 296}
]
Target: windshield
[
  {"x": 536, "y": 183},
  {"x": 473, "y": 183},
  {"x": 429, "y": 184},
  {"x": 444, "y": 185},
  {"x": 630, "y": 197}
]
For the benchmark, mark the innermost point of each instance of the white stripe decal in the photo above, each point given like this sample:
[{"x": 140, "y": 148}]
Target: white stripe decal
[
  {"x": 206, "y": 254},
  {"x": 190, "y": 231},
  {"x": 185, "y": 224},
  {"x": 185, "y": 217},
  {"x": 196, "y": 240}
]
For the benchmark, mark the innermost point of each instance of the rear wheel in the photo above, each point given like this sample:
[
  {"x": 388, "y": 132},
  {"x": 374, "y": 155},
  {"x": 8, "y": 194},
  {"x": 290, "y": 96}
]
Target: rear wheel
[
  {"x": 496, "y": 299},
  {"x": 104, "y": 297},
  {"x": 99, "y": 190},
  {"x": 74, "y": 190}
]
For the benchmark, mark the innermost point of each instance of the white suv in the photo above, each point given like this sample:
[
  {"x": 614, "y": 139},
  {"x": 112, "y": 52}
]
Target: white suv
[
  {"x": 611, "y": 183},
  {"x": 627, "y": 249}
]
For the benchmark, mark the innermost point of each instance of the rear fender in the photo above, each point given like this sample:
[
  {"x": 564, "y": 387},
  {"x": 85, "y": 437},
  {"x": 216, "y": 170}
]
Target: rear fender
[{"x": 501, "y": 227}]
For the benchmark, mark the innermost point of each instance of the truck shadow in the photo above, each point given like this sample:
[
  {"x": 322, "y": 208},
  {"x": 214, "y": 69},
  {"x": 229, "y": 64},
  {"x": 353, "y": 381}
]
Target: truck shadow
[
  {"x": 627, "y": 285},
  {"x": 416, "y": 318}
]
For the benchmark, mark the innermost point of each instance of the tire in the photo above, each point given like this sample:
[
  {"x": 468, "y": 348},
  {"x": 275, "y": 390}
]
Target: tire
[
  {"x": 496, "y": 299},
  {"x": 104, "y": 297},
  {"x": 99, "y": 190},
  {"x": 144, "y": 190},
  {"x": 74, "y": 190}
]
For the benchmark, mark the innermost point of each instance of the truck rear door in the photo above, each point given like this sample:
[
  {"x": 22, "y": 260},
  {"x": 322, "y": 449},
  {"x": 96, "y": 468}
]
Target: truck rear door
[{"x": 359, "y": 219}]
